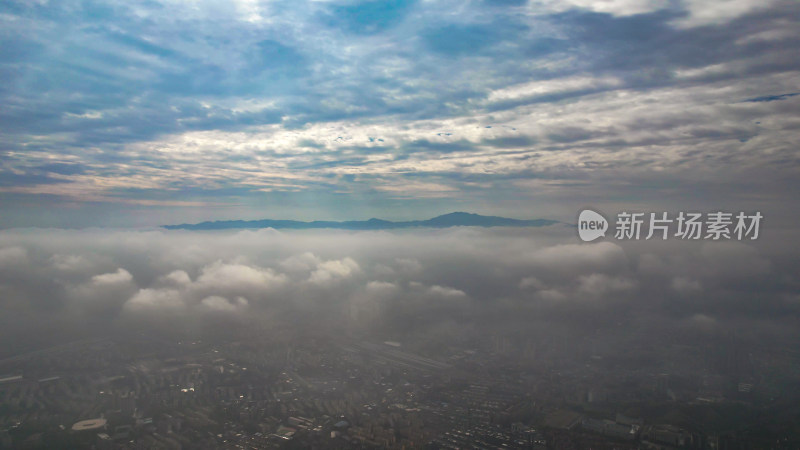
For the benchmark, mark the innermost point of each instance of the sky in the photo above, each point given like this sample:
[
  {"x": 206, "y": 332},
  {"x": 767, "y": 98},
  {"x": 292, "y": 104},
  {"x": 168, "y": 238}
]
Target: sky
[{"x": 137, "y": 114}]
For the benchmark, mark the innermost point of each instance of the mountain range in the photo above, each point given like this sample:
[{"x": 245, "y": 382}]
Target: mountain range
[{"x": 455, "y": 219}]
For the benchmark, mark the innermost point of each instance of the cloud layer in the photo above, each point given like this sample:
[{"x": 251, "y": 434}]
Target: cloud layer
[{"x": 454, "y": 284}]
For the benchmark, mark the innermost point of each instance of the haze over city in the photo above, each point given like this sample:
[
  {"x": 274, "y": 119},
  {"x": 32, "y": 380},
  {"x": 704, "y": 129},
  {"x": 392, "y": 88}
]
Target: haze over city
[{"x": 354, "y": 224}]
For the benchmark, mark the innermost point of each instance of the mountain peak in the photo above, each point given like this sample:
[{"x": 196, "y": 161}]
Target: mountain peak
[{"x": 459, "y": 214}]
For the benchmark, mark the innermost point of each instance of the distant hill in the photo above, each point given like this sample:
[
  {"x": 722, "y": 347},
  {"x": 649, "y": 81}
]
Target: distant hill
[{"x": 456, "y": 219}]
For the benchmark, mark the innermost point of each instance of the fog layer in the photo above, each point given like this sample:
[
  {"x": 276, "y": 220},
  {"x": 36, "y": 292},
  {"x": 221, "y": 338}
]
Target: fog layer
[{"x": 433, "y": 286}]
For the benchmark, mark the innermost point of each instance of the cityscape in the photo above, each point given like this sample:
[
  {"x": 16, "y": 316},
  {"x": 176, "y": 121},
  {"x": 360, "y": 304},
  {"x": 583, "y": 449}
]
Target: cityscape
[{"x": 260, "y": 391}]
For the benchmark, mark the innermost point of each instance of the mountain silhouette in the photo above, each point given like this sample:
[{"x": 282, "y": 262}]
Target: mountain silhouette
[{"x": 455, "y": 219}]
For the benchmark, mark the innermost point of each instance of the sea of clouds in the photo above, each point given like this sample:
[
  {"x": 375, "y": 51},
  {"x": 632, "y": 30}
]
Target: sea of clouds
[{"x": 430, "y": 284}]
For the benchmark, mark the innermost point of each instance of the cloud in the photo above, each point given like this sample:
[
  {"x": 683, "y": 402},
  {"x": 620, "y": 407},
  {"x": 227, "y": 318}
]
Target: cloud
[
  {"x": 237, "y": 277},
  {"x": 221, "y": 304},
  {"x": 301, "y": 263},
  {"x": 683, "y": 285},
  {"x": 408, "y": 266},
  {"x": 400, "y": 103},
  {"x": 531, "y": 283},
  {"x": 733, "y": 261},
  {"x": 577, "y": 258},
  {"x": 613, "y": 7},
  {"x": 99, "y": 297},
  {"x": 599, "y": 286},
  {"x": 176, "y": 278},
  {"x": 715, "y": 13},
  {"x": 71, "y": 263},
  {"x": 445, "y": 292},
  {"x": 330, "y": 271},
  {"x": 156, "y": 301},
  {"x": 121, "y": 276},
  {"x": 406, "y": 285},
  {"x": 591, "y": 291},
  {"x": 220, "y": 287},
  {"x": 10, "y": 256},
  {"x": 693, "y": 13}
]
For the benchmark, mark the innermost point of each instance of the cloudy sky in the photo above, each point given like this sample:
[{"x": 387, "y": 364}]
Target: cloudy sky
[{"x": 166, "y": 111}]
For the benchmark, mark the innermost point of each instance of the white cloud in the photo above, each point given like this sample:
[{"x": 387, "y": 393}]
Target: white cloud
[
  {"x": 304, "y": 262},
  {"x": 156, "y": 301},
  {"x": 121, "y": 276},
  {"x": 176, "y": 278},
  {"x": 446, "y": 292},
  {"x": 216, "y": 303},
  {"x": 238, "y": 277},
  {"x": 101, "y": 293},
  {"x": 549, "y": 87},
  {"x": 580, "y": 257},
  {"x": 329, "y": 271},
  {"x": 615, "y": 7},
  {"x": 716, "y": 12},
  {"x": 210, "y": 292}
]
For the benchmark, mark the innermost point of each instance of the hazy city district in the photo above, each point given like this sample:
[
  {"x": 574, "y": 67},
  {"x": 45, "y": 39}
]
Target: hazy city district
[{"x": 321, "y": 391}]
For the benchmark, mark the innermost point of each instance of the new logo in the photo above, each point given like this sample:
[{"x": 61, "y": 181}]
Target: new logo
[{"x": 591, "y": 225}]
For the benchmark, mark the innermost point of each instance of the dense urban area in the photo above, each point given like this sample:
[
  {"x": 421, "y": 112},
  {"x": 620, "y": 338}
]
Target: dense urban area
[{"x": 259, "y": 391}]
